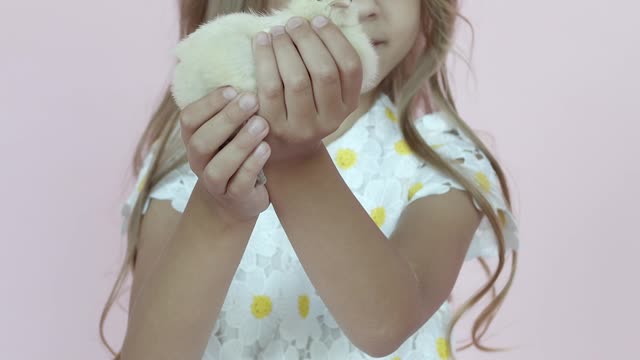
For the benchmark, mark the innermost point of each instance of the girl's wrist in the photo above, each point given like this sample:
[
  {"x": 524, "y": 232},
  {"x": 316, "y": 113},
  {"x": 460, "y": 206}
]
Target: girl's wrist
[{"x": 213, "y": 209}]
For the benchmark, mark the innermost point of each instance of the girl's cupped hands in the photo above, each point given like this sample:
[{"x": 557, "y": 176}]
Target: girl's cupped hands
[{"x": 309, "y": 79}]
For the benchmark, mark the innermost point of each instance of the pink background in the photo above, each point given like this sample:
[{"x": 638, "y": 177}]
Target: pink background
[{"x": 554, "y": 86}]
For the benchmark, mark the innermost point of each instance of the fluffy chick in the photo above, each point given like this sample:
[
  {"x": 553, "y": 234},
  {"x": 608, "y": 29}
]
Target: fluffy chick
[{"x": 220, "y": 52}]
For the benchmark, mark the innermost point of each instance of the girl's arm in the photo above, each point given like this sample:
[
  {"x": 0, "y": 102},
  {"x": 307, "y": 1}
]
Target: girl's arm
[
  {"x": 367, "y": 285},
  {"x": 179, "y": 288}
]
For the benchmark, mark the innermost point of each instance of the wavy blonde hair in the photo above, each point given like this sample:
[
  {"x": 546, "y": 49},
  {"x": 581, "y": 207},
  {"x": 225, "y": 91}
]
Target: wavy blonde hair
[{"x": 420, "y": 80}]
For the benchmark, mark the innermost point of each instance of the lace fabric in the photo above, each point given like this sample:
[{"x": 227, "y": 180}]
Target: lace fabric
[{"x": 272, "y": 310}]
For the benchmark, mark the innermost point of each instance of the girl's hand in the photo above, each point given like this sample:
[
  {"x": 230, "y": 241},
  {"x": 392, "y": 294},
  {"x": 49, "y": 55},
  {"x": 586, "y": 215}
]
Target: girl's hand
[
  {"x": 309, "y": 80},
  {"x": 228, "y": 171}
]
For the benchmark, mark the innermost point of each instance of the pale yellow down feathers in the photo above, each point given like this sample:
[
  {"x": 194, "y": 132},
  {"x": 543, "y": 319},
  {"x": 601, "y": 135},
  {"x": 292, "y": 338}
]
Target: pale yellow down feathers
[{"x": 220, "y": 52}]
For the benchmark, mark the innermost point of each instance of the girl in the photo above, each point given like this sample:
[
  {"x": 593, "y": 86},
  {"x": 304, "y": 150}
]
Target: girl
[{"x": 352, "y": 247}]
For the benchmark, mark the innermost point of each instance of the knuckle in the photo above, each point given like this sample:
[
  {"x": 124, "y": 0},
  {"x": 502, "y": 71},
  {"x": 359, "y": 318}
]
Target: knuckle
[
  {"x": 273, "y": 91},
  {"x": 234, "y": 191},
  {"x": 186, "y": 121},
  {"x": 197, "y": 147},
  {"x": 226, "y": 117},
  {"x": 298, "y": 84},
  {"x": 327, "y": 76},
  {"x": 302, "y": 137},
  {"x": 352, "y": 67},
  {"x": 200, "y": 147},
  {"x": 213, "y": 177},
  {"x": 312, "y": 135}
]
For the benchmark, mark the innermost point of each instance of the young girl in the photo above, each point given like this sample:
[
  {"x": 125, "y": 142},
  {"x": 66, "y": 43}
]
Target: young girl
[{"x": 352, "y": 247}]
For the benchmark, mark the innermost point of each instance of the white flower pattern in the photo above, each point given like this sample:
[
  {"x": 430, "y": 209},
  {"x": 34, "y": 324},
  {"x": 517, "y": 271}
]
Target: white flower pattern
[
  {"x": 383, "y": 202},
  {"x": 432, "y": 335},
  {"x": 271, "y": 310},
  {"x": 355, "y": 156},
  {"x": 343, "y": 349},
  {"x": 253, "y": 306},
  {"x": 301, "y": 306}
]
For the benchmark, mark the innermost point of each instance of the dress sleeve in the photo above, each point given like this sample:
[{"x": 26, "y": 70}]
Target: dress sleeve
[
  {"x": 176, "y": 186},
  {"x": 452, "y": 143}
]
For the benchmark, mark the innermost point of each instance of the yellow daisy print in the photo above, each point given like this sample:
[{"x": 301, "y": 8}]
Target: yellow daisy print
[
  {"x": 483, "y": 181},
  {"x": 413, "y": 190},
  {"x": 402, "y": 147},
  {"x": 390, "y": 114},
  {"x": 383, "y": 202},
  {"x": 252, "y": 306},
  {"x": 503, "y": 218},
  {"x": 355, "y": 155},
  {"x": 442, "y": 348},
  {"x": 142, "y": 182},
  {"x": 398, "y": 159},
  {"x": 346, "y": 158},
  {"x": 378, "y": 215},
  {"x": 384, "y": 117},
  {"x": 431, "y": 338},
  {"x": 301, "y": 307}
]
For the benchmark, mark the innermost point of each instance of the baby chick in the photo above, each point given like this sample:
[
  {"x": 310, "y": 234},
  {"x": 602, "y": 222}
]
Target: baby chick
[{"x": 220, "y": 52}]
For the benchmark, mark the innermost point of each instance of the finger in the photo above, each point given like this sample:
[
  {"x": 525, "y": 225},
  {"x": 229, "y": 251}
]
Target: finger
[
  {"x": 222, "y": 167},
  {"x": 244, "y": 180},
  {"x": 269, "y": 83},
  {"x": 325, "y": 78},
  {"x": 347, "y": 60},
  {"x": 298, "y": 93},
  {"x": 194, "y": 115},
  {"x": 206, "y": 141}
]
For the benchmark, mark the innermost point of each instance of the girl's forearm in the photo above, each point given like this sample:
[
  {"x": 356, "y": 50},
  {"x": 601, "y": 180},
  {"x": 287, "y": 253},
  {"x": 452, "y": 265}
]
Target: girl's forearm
[
  {"x": 175, "y": 311},
  {"x": 369, "y": 288}
]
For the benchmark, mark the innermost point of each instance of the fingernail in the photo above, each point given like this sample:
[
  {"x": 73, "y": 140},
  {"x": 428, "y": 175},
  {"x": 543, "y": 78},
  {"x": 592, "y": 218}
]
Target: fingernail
[
  {"x": 319, "y": 21},
  {"x": 256, "y": 126},
  {"x": 294, "y": 23},
  {"x": 262, "y": 39},
  {"x": 277, "y": 30},
  {"x": 229, "y": 93},
  {"x": 262, "y": 149},
  {"x": 248, "y": 101}
]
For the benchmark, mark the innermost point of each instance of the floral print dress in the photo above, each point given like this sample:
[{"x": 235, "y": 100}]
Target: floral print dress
[{"x": 272, "y": 310}]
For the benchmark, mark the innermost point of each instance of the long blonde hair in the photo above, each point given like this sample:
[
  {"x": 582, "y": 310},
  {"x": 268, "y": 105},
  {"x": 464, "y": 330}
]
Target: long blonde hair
[{"x": 421, "y": 79}]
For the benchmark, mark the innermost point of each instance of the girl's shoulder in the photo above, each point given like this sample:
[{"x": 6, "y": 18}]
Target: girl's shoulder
[
  {"x": 176, "y": 186},
  {"x": 419, "y": 178}
]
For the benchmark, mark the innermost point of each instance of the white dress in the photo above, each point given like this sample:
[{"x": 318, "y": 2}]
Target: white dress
[{"x": 272, "y": 310}]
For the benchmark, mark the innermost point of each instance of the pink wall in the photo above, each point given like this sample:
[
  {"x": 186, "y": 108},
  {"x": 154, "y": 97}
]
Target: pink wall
[{"x": 554, "y": 86}]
